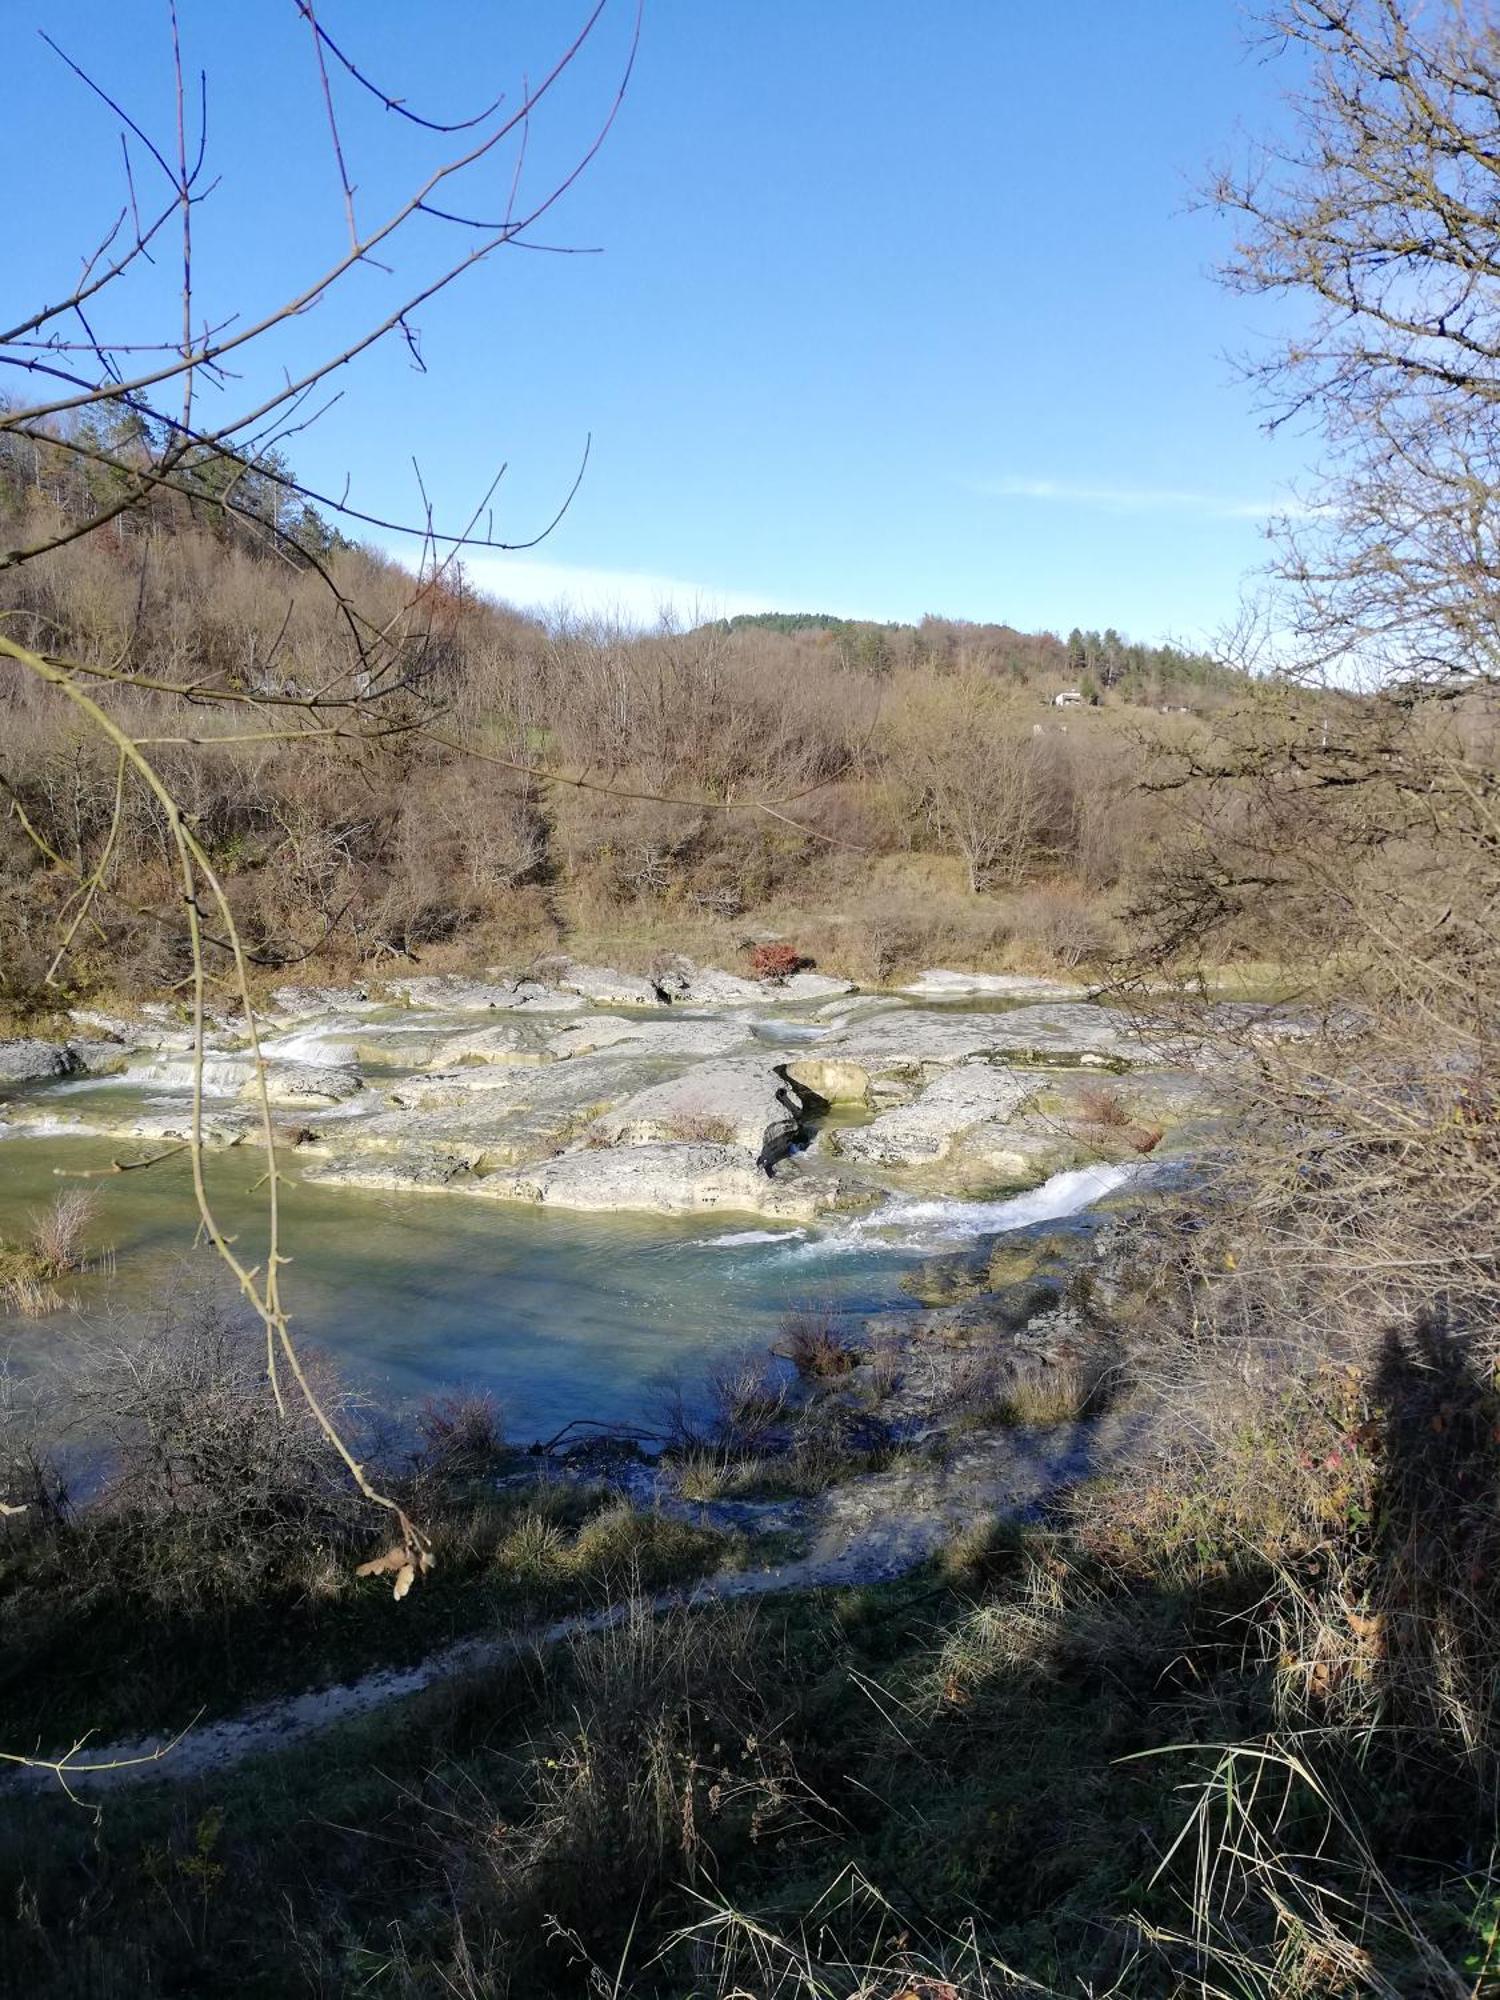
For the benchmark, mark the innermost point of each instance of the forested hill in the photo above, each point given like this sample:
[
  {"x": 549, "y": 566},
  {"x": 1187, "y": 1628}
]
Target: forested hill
[
  {"x": 887, "y": 794},
  {"x": 1096, "y": 662}
]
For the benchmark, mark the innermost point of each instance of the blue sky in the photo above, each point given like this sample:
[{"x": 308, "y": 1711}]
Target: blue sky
[{"x": 898, "y": 309}]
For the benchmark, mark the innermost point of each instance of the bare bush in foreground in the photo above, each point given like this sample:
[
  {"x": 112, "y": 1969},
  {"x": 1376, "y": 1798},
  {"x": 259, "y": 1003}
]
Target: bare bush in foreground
[{"x": 57, "y": 1231}]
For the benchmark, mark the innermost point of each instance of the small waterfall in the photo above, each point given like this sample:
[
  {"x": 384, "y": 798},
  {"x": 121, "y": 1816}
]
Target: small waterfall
[
  {"x": 907, "y": 1223},
  {"x": 331, "y": 1042},
  {"x": 223, "y": 1076}
]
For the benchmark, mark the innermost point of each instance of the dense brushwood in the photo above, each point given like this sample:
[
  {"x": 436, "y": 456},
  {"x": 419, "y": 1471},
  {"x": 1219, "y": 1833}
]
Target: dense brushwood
[{"x": 932, "y": 753}]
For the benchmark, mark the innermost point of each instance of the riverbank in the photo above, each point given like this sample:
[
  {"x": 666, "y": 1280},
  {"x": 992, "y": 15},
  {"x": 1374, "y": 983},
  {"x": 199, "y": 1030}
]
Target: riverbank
[
  {"x": 848, "y": 1445},
  {"x": 694, "y": 1090},
  {"x": 913, "y": 1613},
  {"x": 874, "y": 1332}
]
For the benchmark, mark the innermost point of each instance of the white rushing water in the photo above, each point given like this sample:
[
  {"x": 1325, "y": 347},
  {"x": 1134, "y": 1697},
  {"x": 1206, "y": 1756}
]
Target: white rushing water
[
  {"x": 330, "y": 1042},
  {"x": 909, "y": 1223},
  {"x": 223, "y": 1076},
  {"x": 740, "y": 1239},
  {"x": 1064, "y": 1194}
]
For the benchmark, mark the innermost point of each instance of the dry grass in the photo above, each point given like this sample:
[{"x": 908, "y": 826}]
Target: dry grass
[
  {"x": 991, "y": 1387},
  {"x": 1064, "y": 1392},
  {"x": 28, "y": 1295},
  {"x": 1102, "y": 1104},
  {"x": 816, "y": 1346},
  {"x": 740, "y": 1955},
  {"x": 57, "y": 1231},
  {"x": 615, "y": 1550},
  {"x": 807, "y": 1468},
  {"x": 704, "y": 1129},
  {"x": 661, "y": 1753},
  {"x": 1057, "y": 1393},
  {"x": 885, "y": 1370}
]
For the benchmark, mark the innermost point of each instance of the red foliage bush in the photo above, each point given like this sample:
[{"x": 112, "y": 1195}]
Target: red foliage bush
[{"x": 776, "y": 960}]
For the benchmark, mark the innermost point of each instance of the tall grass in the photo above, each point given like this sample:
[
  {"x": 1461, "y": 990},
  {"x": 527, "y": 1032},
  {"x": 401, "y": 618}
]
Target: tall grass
[{"x": 58, "y": 1231}]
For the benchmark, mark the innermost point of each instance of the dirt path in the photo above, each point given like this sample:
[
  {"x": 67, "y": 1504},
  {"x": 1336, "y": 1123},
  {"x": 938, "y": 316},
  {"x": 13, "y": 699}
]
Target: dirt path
[{"x": 867, "y": 1531}]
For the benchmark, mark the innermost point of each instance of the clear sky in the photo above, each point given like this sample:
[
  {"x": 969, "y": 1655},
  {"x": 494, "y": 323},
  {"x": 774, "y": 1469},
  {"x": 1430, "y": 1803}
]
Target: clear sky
[{"x": 899, "y": 308}]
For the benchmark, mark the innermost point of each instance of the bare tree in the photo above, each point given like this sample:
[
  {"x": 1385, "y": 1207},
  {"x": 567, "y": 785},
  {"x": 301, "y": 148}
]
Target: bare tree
[
  {"x": 1378, "y": 221},
  {"x": 1365, "y": 832},
  {"x": 972, "y": 765},
  {"x": 168, "y": 421}
]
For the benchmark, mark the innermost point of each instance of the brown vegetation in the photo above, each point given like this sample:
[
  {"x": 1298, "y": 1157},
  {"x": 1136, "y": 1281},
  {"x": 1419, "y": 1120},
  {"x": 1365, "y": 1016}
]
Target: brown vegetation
[
  {"x": 776, "y": 960},
  {"x": 331, "y": 860},
  {"x": 815, "y": 1346},
  {"x": 57, "y": 1231},
  {"x": 53, "y": 1250}
]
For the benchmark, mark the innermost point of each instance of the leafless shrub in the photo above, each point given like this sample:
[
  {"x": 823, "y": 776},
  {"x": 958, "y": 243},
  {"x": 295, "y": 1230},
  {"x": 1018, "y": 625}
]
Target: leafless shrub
[
  {"x": 1102, "y": 1104},
  {"x": 220, "y": 1488},
  {"x": 462, "y": 1434},
  {"x": 57, "y": 1231},
  {"x": 899, "y": 929},
  {"x": 816, "y": 1346},
  {"x": 1065, "y": 923},
  {"x": 748, "y": 1397}
]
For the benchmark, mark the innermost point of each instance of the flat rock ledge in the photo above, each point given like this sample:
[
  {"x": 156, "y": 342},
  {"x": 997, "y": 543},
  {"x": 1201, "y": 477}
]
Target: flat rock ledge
[
  {"x": 32, "y": 1061},
  {"x": 972, "y": 1095},
  {"x": 686, "y": 984},
  {"x": 746, "y": 1105},
  {"x": 451, "y": 993},
  {"x": 669, "y": 1178},
  {"x": 673, "y": 1179},
  {"x": 938, "y": 983},
  {"x": 292, "y": 1084},
  {"x": 877, "y": 1056},
  {"x": 605, "y": 987}
]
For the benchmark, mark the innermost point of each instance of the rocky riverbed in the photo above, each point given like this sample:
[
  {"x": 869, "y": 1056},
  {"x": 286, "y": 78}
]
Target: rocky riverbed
[{"x": 693, "y": 1090}]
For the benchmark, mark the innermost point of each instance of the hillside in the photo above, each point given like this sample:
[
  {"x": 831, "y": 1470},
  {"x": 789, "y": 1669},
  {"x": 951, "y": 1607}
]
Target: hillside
[{"x": 883, "y": 794}]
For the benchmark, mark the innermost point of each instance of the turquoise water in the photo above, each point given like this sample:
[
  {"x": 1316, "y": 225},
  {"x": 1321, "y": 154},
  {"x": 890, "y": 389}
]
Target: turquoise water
[{"x": 561, "y": 1315}]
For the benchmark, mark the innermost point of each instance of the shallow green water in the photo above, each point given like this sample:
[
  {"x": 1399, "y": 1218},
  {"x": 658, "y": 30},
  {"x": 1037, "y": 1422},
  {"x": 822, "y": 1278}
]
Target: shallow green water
[{"x": 561, "y": 1315}]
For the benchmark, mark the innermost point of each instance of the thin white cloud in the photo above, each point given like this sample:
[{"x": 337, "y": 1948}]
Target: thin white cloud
[
  {"x": 634, "y": 597},
  {"x": 1143, "y": 499}
]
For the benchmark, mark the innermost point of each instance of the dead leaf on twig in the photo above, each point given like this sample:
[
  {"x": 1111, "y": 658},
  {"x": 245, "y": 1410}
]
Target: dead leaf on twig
[
  {"x": 400, "y": 1561},
  {"x": 395, "y": 1558}
]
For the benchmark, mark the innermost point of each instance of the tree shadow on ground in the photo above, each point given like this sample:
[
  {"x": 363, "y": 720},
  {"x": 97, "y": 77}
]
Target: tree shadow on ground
[{"x": 1433, "y": 1604}]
